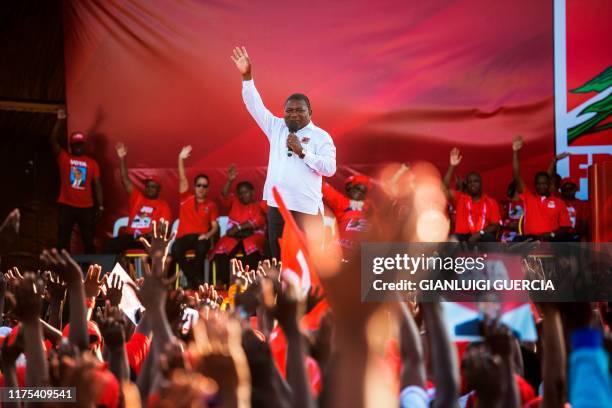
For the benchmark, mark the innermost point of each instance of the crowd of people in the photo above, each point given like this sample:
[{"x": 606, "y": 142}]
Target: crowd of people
[{"x": 257, "y": 337}]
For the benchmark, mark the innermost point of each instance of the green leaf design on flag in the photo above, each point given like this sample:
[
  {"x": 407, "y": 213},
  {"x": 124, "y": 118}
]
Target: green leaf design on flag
[
  {"x": 598, "y": 84},
  {"x": 602, "y": 109}
]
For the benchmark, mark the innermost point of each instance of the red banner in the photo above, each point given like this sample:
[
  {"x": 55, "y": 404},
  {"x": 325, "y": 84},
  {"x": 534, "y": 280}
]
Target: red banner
[{"x": 390, "y": 81}]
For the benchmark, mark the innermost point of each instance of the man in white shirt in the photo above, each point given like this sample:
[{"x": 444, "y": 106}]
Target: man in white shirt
[{"x": 300, "y": 155}]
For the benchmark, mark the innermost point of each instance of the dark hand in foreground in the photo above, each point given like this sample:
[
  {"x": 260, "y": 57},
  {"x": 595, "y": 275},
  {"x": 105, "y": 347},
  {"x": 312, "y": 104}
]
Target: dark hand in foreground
[
  {"x": 114, "y": 290},
  {"x": 112, "y": 325}
]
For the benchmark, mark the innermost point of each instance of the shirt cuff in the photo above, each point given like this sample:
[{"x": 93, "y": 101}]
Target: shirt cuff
[{"x": 308, "y": 155}]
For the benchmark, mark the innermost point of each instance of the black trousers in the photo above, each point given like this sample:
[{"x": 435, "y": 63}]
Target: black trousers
[
  {"x": 84, "y": 218},
  {"x": 276, "y": 225},
  {"x": 486, "y": 237},
  {"x": 120, "y": 244},
  {"x": 222, "y": 262},
  {"x": 194, "y": 271}
]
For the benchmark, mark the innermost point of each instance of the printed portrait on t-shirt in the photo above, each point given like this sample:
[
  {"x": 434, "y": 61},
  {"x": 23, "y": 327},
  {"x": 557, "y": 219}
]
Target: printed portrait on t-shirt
[
  {"x": 78, "y": 177},
  {"x": 143, "y": 218}
]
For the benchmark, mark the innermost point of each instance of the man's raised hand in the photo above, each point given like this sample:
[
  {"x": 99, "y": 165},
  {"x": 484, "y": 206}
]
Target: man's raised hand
[
  {"x": 517, "y": 143},
  {"x": 121, "y": 150},
  {"x": 185, "y": 152},
  {"x": 242, "y": 61},
  {"x": 232, "y": 173},
  {"x": 455, "y": 157}
]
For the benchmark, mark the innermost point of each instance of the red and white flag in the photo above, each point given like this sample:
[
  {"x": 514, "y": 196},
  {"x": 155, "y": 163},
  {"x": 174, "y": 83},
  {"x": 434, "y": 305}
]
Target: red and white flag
[{"x": 294, "y": 252}]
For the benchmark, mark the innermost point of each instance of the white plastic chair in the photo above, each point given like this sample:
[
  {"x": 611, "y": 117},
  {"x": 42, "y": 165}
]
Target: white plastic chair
[
  {"x": 121, "y": 222},
  {"x": 223, "y": 220}
]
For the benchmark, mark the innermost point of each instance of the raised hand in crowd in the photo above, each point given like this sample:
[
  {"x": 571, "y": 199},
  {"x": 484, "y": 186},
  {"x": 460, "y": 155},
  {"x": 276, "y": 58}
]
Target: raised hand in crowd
[
  {"x": 232, "y": 174},
  {"x": 121, "y": 150},
  {"x": 481, "y": 368},
  {"x": 9, "y": 229},
  {"x": 501, "y": 343},
  {"x": 243, "y": 62},
  {"x": 288, "y": 311},
  {"x": 54, "y": 294},
  {"x": 93, "y": 284},
  {"x": 217, "y": 353},
  {"x": 183, "y": 181},
  {"x": 517, "y": 145},
  {"x": 28, "y": 294},
  {"x": 114, "y": 290},
  {"x": 112, "y": 326},
  {"x": 125, "y": 177},
  {"x": 70, "y": 272}
]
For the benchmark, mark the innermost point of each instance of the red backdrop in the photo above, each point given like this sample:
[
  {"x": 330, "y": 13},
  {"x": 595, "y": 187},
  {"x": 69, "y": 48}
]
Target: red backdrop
[{"x": 393, "y": 80}]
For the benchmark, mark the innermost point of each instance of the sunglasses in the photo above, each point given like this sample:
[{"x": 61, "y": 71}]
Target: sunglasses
[{"x": 202, "y": 185}]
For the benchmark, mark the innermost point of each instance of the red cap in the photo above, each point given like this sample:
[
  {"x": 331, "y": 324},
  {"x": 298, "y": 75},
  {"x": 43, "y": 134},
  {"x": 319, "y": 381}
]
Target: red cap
[
  {"x": 358, "y": 179},
  {"x": 154, "y": 178},
  {"x": 77, "y": 137},
  {"x": 568, "y": 180},
  {"x": 92, "y": 330}
]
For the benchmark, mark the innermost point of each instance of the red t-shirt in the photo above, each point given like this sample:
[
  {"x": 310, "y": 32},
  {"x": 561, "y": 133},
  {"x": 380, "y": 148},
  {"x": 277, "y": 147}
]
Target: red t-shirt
[
  {"x": 143, "y": 211},
  {"x": 137, "y": 350},
  {"x": 579, "y": 211},
  {"x": 77, "y": 174},
  {"x": 352, "y": 216},
  {"x": 543, "y": 214},
  {"x": 195, "y": 217},
  {"x": 472, "y": 216}
]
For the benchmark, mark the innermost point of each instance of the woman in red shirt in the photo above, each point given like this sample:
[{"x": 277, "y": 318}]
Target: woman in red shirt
[{"x": 246, "y": 228}]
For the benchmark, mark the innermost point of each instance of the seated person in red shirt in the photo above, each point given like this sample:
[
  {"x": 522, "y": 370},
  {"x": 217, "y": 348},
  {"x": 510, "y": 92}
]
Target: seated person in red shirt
[
  {"x": 578, "y": 210},
  {"x": 145, "y": 207},
  {"x": 246, "y": 228},
  {"x": 197, "y": 224},
  {"x": 546, "y": 216},
  {"x": 477, "y": 215},
  {"x": 512, "y": 210},
  {"x": 351, "y": 209},
  {"x": 79, "y": 185}
]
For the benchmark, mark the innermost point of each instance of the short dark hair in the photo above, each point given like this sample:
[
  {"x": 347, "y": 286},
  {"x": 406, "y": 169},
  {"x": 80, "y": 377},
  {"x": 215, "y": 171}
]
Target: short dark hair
[
  {"x": 541, "y": 174},
  {"x": 199, "y": 176},
  {"x": 246, "y": 184},
  {"x": 299, "y": 97}
]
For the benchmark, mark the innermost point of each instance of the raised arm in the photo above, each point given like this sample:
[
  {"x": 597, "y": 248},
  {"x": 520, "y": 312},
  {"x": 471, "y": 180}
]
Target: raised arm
[
  {"x": 264, "y": 118},
  {"x": 231, "y": 176},
  {"x": 125, "y": 178},
  {"x": 443, "y": 356},
  {"x": 54, "y": 136},
  {"x": 70, "y": 272},
  {"x": 551, "y": 170},
  {"x": 411, "y": 349},
  {"x": 554, "y": 359},
  {"x": 183, "y": 182},
  {"x": 517, "y": 145},
  {"x": 455, "y": 159}
]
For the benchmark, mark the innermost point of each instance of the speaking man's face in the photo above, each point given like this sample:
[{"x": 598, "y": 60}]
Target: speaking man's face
[{"x": 297, "y": 113}]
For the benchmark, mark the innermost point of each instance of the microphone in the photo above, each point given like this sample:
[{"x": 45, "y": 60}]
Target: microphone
[{"x": 293, "y": 127}]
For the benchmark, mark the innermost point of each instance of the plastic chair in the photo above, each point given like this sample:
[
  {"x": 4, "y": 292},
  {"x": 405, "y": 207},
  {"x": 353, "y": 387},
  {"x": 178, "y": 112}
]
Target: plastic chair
[{"x": 121, "y": 222}]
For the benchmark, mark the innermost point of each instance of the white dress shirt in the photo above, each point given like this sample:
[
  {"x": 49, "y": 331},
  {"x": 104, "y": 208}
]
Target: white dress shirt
[{"x": 297, "y": 180}]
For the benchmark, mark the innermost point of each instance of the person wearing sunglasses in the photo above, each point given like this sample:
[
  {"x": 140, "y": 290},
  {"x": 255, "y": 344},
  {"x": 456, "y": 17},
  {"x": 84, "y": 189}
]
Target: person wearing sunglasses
[{"x": 197, "y": 223}]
